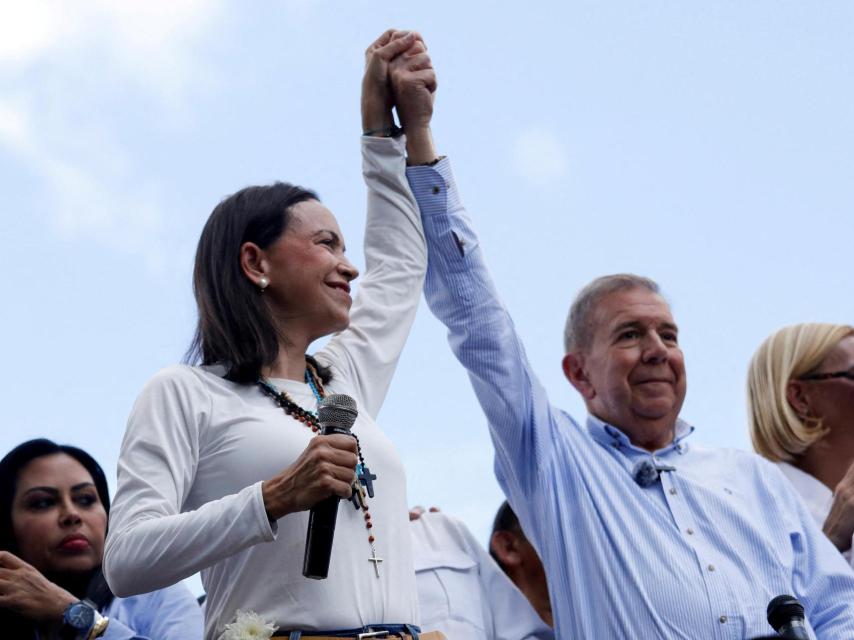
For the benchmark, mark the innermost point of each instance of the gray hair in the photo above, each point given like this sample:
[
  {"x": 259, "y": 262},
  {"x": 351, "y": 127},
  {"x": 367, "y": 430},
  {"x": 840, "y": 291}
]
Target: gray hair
[{"x": 578, "y": 333}]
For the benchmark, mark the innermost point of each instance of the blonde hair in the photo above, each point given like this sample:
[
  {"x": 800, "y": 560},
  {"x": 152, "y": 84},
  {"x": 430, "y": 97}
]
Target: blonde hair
[{"x": 778, "y": 432}]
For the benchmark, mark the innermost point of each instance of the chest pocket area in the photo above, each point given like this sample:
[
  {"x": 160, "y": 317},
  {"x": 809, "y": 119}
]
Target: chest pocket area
[
  {"x": 449, "y": 588},
  {"x": 755, "y": 622}
]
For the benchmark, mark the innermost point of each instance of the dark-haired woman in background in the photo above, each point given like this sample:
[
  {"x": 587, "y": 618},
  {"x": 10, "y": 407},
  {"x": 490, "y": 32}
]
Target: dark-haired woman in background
[
  {"x": 221, "y": 461},
  {"x": 53, "y": 520}
]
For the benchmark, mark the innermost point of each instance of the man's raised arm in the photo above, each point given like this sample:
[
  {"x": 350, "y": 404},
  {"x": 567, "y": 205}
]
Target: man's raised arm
[{"x": 460, "y": 292}]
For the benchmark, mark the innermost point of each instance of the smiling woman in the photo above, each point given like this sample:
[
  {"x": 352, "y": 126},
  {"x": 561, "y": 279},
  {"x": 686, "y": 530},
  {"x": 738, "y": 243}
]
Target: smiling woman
[
  {"x": 221, "y": 461},
  {"x": 53, "y": 521}
]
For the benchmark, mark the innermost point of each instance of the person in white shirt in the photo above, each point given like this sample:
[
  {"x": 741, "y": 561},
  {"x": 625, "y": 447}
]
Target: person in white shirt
[
  {"x": 462, "y": 591},
  {"x": 511, "y": 549},
  {"x": 801, "y": 408},
  {"x": 221, "y": 461}
]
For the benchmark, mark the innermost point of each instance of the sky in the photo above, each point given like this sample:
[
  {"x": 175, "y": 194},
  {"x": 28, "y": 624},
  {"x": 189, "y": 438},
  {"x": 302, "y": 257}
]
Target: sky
[{"x": 708, "y": 145}]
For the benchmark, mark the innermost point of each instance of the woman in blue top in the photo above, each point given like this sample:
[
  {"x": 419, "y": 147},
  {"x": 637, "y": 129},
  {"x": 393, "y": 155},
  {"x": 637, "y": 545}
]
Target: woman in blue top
[{"x": 53, "y": 521}]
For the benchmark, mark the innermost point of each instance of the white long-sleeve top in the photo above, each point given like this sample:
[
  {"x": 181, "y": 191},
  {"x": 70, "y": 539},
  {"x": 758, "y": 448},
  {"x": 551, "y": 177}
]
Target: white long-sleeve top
[
  {"x": 816, "y": 495},
  {"x": 197, "y": 448}
]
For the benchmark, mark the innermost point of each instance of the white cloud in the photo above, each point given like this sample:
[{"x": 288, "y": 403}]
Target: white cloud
[
  {"x": 51, "y": 53},
  {"x": 149, "y": 43},
  {"x": 84, "y": 199},
  {"x": 15, "y": 128},
  {"x": 538, "y": 156},
  {"x": 27, "y": 29}
]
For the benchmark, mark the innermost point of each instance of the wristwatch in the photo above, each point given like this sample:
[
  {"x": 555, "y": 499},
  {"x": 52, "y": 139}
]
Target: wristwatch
[{"x": 81, "y": 621}]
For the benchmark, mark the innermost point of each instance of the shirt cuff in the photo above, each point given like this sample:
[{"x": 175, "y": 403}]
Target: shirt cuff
[
  {"x": 269, "y": 528},
  {"x": 434, "y": 188},
  {"x": 385, "y": 146}
]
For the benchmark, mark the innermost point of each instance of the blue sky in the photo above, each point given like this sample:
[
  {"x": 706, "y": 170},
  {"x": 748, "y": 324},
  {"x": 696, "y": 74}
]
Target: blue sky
[{"x": 709, "y": 145}]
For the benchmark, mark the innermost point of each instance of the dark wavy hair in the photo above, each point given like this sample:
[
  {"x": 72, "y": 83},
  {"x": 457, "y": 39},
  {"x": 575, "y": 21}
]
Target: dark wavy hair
[
  {"x": 92, "y": 586},
  {"x": 235, "y": 326}
]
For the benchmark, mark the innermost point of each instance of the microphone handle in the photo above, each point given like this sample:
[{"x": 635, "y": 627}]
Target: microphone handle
[
  {"x": 794, "y": 630},
  {"x": 321, "y": 525},
  {"x": 318, "y": 542}
]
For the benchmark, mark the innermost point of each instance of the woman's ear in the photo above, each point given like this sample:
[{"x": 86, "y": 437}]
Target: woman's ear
[
  {"x": 253, "y": 262},
  {"x": 797, "y": 398}
]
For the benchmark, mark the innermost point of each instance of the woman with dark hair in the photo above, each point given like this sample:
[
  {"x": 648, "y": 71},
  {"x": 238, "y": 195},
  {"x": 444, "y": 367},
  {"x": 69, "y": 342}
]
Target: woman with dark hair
[
  {"x": 221, "y": 460},
  {"x": 53, "y": 521}
]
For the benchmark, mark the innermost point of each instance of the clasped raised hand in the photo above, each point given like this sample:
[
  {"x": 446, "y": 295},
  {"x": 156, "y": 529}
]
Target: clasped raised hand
[{"x": 377, "y": 99}]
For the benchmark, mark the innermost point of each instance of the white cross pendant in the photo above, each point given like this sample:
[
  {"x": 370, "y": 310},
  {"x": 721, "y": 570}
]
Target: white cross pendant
[{"x": 376, "y": 561}]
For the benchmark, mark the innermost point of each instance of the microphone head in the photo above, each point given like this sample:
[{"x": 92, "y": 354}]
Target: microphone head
[
  {"x": 783, "y": 609},
  {"x": 338, "y": 410}
]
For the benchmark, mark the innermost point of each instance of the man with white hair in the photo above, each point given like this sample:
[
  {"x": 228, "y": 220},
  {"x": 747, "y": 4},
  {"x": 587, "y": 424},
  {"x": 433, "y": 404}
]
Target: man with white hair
[{"x": 642, "y": 533}]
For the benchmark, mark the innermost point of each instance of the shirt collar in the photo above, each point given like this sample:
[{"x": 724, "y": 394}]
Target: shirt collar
[{"x": 612, "y": 436}]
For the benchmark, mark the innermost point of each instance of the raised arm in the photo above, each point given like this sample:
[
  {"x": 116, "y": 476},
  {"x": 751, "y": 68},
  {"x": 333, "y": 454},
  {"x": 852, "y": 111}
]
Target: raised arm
[
  {"x": 461, "y": 293},
  {"x": 459, "y": 288},
  {"x": 366, "y": 353}
]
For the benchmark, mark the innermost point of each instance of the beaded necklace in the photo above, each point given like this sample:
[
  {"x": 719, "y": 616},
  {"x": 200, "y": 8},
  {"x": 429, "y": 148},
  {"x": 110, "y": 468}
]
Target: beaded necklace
[{"x": 363, "y": 486}]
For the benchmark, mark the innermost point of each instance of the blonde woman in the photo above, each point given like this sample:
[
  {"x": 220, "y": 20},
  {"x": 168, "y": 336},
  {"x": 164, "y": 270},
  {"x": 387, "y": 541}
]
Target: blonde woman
[{"x": 800, "y": 391}]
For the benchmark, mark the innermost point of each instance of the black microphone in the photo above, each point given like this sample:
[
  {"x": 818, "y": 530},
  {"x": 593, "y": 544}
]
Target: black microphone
[
  {"x": 336, "y": 414},
  {"x": 786, "y": 615}
]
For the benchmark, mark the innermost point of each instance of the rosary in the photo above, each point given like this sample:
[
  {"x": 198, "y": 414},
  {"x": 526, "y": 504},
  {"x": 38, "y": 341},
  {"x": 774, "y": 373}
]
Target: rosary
[{"x": 363, "y": 480}]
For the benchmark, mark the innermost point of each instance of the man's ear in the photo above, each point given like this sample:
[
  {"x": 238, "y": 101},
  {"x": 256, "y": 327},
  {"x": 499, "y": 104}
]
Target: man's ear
[
  {"x": 573, "y": 369},
  {"x": 253, "y": 263},
  {"x": 505, "y": 545},
  {"x": 797, "y": 399}
]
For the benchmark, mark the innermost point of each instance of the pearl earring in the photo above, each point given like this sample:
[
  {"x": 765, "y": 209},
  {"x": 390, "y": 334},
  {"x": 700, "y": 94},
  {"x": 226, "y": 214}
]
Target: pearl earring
[{"x": 263, "y": 282}]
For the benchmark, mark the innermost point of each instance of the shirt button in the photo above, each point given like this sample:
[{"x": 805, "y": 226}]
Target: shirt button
[
  {"x": 723, "y": 619},
  {"x": 436, "y": 190},
  {"x": 711, "y": 567},
  {"x": 672, "y": 491},
  {"x": 689, "y": 531}
]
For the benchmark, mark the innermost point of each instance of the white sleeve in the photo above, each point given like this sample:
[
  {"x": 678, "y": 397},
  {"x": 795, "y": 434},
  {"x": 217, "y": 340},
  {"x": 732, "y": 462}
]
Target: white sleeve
[
  {"x": 366, "y": 353},
  {"x": 150, "y": 543}
]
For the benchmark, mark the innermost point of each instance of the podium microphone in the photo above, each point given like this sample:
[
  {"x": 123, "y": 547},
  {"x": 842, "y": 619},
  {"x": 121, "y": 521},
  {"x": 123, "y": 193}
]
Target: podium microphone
[
  {"x": 336, "y": 415},
  {"x": 786, "y": 615}
]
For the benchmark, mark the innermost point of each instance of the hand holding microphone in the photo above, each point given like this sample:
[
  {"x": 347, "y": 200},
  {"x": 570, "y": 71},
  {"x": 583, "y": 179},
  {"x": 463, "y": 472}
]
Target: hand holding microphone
[
  {"x": 324, "y": 469},
  {"x": 322, "y": 475},
  {"x": 336, "y": 415}
]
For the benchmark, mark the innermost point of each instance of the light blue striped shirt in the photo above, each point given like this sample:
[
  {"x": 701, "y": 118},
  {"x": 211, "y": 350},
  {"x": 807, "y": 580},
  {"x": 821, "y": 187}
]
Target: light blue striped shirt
[
  {"x": 697, "y": 555},
  {"x": 171, "y": 613}
]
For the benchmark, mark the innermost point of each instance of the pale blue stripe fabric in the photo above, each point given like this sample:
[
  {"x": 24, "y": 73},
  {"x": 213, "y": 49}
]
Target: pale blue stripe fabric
[{"x": 698, "y": 555}]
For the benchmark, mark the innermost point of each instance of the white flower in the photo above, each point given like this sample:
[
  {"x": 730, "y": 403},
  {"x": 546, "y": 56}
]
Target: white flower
[{"x": 248, "y": 625}]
